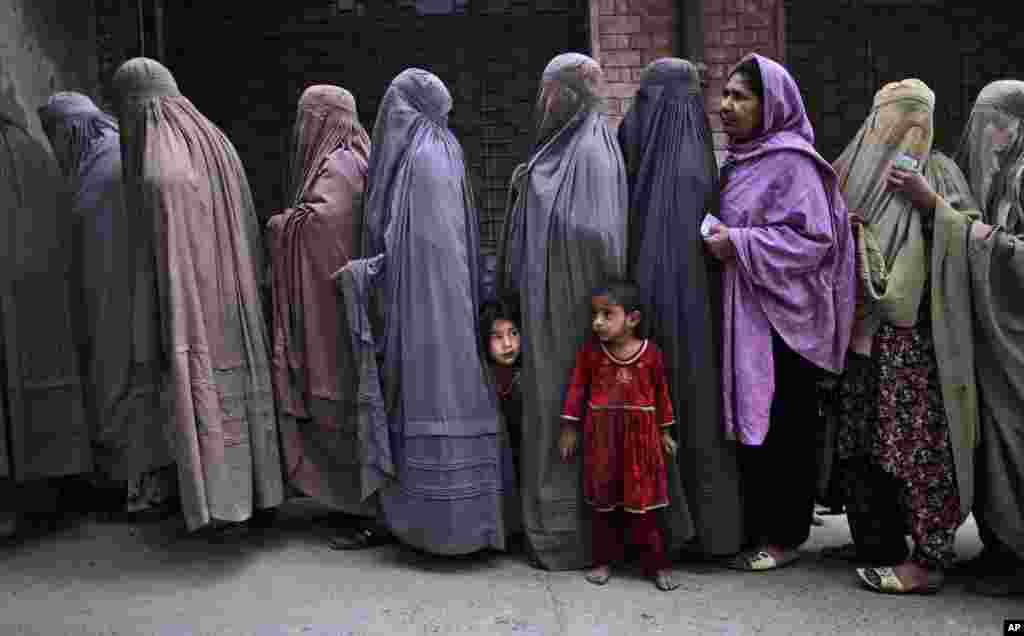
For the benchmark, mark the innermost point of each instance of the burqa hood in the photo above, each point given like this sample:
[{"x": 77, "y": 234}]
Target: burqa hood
[
  {"x": 73, "y": 123},
  {"x": 326, "y": 120},
  {"x": 992, "y": 153},
  {"x": 415, "y": 103}
]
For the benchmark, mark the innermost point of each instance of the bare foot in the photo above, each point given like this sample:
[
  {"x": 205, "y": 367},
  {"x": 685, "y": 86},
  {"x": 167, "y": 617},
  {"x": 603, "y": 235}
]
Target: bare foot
[
  {"x": 913, "y": 576},
  {"x": 599, "y": 575},
  {"x": 665, "y": 581}
]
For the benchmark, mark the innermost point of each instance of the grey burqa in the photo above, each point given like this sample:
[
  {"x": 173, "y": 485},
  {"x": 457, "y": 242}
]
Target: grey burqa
[
  {"x": 43, "y": 431},
  {"x": 564, "y": 233},
  {"x": 128, "y": 407},
  {"x": 992, "y": 155},
  {"x": 421, "y": 284},
  {"x": 673, "y": 183},
  {"x": 184, "y": 179}
]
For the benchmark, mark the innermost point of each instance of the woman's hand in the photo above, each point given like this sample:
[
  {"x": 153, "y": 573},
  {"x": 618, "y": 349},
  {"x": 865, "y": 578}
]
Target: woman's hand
[
  {"x": 668, "y": 443},
  {"x": 720, "y": 245},
  {"x": 915, "y": 187},
  {"x": 567, "y": 442}
]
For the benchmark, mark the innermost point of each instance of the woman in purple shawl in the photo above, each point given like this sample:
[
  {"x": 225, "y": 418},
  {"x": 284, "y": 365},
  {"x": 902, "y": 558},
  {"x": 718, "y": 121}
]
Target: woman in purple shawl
[
  {"x": 788, "y": 300},
  {"x": 444, "y": 492}
]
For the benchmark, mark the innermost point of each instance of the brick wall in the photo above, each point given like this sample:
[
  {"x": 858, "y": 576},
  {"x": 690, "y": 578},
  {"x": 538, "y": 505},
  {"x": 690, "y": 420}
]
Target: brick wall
[
  {"x": 626, "y": 35},
  {"x": 733, "y": 28}
]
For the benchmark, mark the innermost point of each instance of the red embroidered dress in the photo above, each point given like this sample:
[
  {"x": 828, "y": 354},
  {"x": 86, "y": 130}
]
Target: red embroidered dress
[{"x": 627, "y": 408}]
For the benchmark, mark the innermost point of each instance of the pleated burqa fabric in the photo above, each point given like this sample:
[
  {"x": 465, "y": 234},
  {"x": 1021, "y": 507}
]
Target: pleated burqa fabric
[
  {"x": 43, "y": 429},
  {"x": 564, "y": 234},
  {"x": 314, "y": 372},
  {"x": 992, "y": 155},
  {"x": 118, "y": 329},
  {"x": 183, "y": 179},
  {"x": 444, "y": 433},
  {"x": 673, "y": 183}
]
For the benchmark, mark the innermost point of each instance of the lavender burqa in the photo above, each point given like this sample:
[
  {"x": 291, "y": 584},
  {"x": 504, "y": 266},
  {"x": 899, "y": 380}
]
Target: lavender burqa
[
  {"x": 444, "y": 491},
  {"x": 564, "y": 234},
  {"x": 315, "y": 377},
  {"x": 127, "y": 400},
  {"x": 184, "y": 178}
]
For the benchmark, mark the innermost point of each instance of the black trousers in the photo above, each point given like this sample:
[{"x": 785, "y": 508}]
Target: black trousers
[
  {"x": 779, "y": 477},
  {"x": 877, "y": 520}
]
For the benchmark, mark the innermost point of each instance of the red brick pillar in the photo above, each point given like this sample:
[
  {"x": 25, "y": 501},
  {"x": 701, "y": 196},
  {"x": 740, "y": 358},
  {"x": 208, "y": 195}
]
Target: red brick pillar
[
  {"x": 733, "y": 28},
  {"x": 626, "y": 35}
]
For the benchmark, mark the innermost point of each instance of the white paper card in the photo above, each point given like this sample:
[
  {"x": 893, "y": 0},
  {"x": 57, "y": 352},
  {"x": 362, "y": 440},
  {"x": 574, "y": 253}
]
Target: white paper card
[{"x": 708, "y": 224}]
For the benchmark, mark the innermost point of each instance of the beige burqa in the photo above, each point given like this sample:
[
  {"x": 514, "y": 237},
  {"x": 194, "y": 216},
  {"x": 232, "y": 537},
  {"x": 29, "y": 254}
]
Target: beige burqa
[
  {"x": 314, "y": 373},
  {"x": 43, "y": 430},
  {"x": 895, "y": 257},
  {"x": 184, "y": 178}
]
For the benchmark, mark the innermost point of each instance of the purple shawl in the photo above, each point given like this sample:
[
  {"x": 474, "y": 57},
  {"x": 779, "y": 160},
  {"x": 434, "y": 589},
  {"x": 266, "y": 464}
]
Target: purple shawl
[{"x": 794, "y": 267}]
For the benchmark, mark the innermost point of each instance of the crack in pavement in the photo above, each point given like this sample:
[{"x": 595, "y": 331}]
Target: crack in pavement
[{"x": 556, "y": 605}]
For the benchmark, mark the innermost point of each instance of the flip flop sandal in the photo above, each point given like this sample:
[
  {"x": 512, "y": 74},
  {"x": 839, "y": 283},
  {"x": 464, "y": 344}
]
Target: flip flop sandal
[
  {"x": 599, "y": 578},
  {"x": 665, "y": 582},
  {"x": 761, "y": 561},
  {"x": 884, "y": 580}
]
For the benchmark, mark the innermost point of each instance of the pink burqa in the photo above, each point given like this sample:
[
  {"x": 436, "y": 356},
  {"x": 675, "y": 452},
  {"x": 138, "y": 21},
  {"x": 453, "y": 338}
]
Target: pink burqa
[
  {"x": 184, "y": 178},
  {"x": 314, "y": 373},
  {"x": 794, "y": 266}
]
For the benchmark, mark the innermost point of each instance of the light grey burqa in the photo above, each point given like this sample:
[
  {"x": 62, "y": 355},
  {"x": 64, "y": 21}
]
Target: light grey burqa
[
  {"x": 565, "y": 232},
  {"x": 992, "y": 156}
]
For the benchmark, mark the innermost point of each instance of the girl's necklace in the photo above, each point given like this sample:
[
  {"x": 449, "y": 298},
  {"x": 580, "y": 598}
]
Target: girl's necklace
[{"x": 636, "y": 350}]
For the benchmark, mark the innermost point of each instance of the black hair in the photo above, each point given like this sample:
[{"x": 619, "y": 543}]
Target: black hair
[
  {"x": 751, "y": 73},
  {"x": 504, "y": 307},
  {"x": 624, "y": 292}
]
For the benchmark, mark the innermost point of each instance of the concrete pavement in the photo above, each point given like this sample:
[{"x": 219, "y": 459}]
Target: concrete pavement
[{"x": 110, "y": 579}]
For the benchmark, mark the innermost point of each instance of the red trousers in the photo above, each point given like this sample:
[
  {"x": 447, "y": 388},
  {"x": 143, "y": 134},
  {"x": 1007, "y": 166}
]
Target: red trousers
[{"x": 609, "y": 530}]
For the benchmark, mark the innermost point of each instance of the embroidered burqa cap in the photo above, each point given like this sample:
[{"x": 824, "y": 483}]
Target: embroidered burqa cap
[
  {"x": 199, "y": 241},
  {"x": 564, "y": 233}
]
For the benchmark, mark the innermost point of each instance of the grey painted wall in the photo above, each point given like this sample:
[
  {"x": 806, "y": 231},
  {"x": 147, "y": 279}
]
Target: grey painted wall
[{"x": 45, "y": 46}]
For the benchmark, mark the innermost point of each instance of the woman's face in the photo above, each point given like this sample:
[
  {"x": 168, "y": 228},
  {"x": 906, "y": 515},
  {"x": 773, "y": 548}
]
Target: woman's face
[{"x": 740, "y": 110}]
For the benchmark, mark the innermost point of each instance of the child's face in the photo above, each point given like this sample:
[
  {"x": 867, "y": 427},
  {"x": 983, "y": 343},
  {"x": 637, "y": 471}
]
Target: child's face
[
  {"x": 610, "y": 321},
  {"x": 504, "y": 343}
]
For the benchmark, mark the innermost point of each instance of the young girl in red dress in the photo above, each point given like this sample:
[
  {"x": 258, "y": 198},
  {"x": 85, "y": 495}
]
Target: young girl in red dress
[{"x": 619, "y": 398}]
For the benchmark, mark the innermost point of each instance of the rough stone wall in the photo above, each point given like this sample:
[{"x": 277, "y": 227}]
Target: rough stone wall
[
  {"x": 626, "y": 35},
  {"x": 733, "y": 28},
  {"x": 45, "y": 46}
]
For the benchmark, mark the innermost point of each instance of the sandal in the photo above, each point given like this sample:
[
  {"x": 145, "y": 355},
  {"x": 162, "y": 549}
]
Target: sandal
[
  {"x": 599, "y": 575},
  {"x": 359, "y": 540},
  {"x": 665, "y": 581},
  {"x": 761, "y": 560},
  {"x": 884, "y": 580}
]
